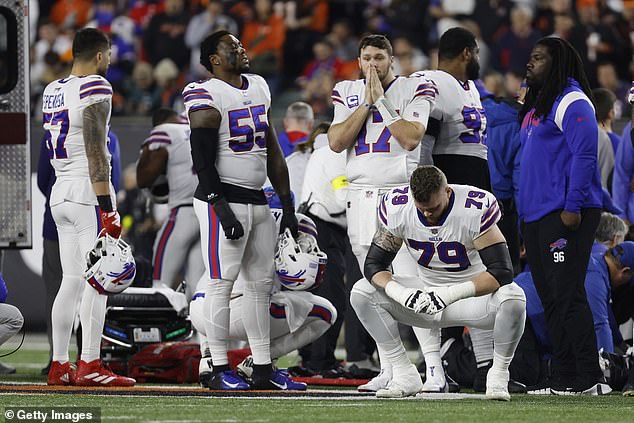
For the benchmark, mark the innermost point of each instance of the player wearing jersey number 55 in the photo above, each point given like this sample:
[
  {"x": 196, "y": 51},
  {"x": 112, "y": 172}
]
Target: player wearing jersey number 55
[
  {"x": 234, "y": 150},
  {"x": 76, "y": 118},
  {"x": 465, "y": 276}
]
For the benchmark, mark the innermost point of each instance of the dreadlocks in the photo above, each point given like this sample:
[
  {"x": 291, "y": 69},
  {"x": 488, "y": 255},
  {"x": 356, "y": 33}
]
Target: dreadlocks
[{"x": 565, "y": 64}]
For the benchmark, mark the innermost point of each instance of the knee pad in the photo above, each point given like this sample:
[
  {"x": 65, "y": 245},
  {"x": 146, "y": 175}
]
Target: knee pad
[
  {"x": 512, "y": 292},
  {"x": 361, "y": 293}
]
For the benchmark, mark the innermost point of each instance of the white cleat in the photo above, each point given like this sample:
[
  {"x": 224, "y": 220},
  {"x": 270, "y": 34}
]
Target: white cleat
[
  {"x": 498, "y": 385},
  {"x": 435, "y": 381},
  {"x": 378, "y": 382},
  {"x": 403, "y": 384}
]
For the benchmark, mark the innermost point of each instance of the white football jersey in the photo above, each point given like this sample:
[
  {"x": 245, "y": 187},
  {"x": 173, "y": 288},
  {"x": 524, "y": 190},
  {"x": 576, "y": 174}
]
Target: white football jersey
[
  {"x": 241, "y": 156},
  {"x": 181, "y": 177},
  {"x": 377, "y": 159},
  {"x": 63, "y": 104},
  {"x": 445, "y": 253},
  {"x": 461, "y": 115}
]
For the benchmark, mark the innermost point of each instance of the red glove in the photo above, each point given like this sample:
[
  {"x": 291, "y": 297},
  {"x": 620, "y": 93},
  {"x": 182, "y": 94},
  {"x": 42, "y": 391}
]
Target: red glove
[{"x": 111, "y": 223}]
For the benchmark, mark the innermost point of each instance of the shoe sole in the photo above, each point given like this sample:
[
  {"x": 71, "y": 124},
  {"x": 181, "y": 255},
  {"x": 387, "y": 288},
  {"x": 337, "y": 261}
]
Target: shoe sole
[
  {"x": 498, "y": 397},
  {"x": 628, "y": 394}
]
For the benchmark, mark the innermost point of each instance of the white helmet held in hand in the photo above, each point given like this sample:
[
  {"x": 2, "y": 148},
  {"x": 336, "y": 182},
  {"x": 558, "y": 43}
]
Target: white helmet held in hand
[
  {"x": 111, "y": 266},
  {"x": 299, "y": 263}
]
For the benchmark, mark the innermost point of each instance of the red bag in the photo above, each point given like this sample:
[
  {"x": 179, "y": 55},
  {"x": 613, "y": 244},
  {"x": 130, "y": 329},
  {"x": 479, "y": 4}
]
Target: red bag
[{"x": 166, "y": 362}]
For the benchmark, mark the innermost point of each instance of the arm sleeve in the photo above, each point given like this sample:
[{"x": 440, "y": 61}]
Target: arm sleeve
[
  {"x": 580, "y": 128},
  {"x": 204, "y": 142},
  {"x": 623, "y": 171},
  {"x": 115, "y": 153},
  {"x": 597, "y": 294}
]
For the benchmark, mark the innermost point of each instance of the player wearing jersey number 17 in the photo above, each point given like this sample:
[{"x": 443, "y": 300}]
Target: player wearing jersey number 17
[{"x": 76, "y": 113}]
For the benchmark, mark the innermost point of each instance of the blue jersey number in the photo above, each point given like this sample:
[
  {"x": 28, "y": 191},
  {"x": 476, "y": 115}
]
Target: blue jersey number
[
  {"x": 452, "y": 253},
  {"x": 253, "y": 130},
  {"x": 382, "y": 144},
  {"x": 56, "y": 147},
  {"x": 472, "y": 119}
]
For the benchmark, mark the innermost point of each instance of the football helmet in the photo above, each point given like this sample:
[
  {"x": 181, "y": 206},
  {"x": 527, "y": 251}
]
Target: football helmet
[
  {"x": 299, "y": 263},
  {"x": 111, "y": 266}
]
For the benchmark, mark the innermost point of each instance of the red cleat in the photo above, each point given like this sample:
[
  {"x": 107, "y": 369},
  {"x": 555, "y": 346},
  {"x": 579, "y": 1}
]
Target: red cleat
[
  {"x": 95, "y": 374},
  {"x": 61, "y": 374}
]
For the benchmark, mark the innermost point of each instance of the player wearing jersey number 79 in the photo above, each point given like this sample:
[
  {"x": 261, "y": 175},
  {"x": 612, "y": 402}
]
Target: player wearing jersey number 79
[
  {"x": 233, "y": 151},
  {"x": 465, "y": 275}
]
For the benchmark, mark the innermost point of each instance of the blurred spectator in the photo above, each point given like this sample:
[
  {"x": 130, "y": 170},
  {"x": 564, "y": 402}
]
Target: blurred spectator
[
  {"x": 298, "y": 123},
  {"x": 123, "y": 51},
  {"x": 50, "y": 40},
  {"x": 298, "y": 160},
  {"x": 495, "y": 84},
  {"x": 141, "y": 11},
  {"x": 513, "y": 82},
  {"x": 514, "y": 46},
  {"x": 71, "y": 13},
  {"x": 548, "y": 12},
  {"x": 320, "y": 76},
  {"x": 562, "y": 25},
  {"x": 406, "y": 17},
  {"x": 492, "y": 16},
  {"x": 164, "y": 36},
  {"x": 144, "y": 95},
  {"x": 212, "y": 19},
  {"x": 407, "y": 58},
  {"x": 607, "y": 77},
  {"x": 263, "y": 37},
  {"x": 345, "y": 42},
  {"x": 484, "y": 52},
  {"x": 448, "y": 13},
  {"x": 104, "y": 14},
  {"x": 604, "y": 101},
  {"x": 595, "y": 41},
  {"x": 170, "y": 85},
  {"x": 306, "y": 22}
]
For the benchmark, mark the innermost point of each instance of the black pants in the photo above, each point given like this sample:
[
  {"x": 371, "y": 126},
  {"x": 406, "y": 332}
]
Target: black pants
[
  {"x": 466, "y": 170},
  {"x": 558, "y": 259},
  {"x": 510, "y": 229},
  {"x": 52, "y": 275},
  {"x": 332, "y": 240}
]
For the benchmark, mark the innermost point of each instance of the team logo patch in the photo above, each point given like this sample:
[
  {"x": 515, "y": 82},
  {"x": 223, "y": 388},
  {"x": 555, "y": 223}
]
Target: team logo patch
[
  {"x": 560, "y": 244},
  {"x": 352, "y": 101}
]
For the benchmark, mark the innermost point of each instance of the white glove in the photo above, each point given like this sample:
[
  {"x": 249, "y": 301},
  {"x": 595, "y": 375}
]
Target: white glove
[
  {"x": 630, "y": 97},
  {"x": 441, "y": 297},
  {"x": 414, "y": 299}
]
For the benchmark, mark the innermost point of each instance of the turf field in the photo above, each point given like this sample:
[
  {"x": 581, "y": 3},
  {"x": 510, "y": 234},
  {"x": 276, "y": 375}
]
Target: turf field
[{"x": 153, "y": 408}]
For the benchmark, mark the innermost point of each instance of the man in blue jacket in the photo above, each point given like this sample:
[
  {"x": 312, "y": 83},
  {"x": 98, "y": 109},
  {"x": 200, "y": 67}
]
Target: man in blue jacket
[{"x": 560, "y": 202}]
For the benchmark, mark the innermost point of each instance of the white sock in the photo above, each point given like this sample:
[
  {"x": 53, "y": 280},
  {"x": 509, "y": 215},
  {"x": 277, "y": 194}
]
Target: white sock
[
  {"x": 482, "y": 342},
  {"x": 92, "y": 314},
  {"x": 256, "y": 318},
  {"x": 429, "y": 340},
  {"x": 216, "y": 307},
  {"x": 508, "y": 330}
]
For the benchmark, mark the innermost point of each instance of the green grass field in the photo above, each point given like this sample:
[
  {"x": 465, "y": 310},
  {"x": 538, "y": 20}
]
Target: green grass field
[{"x": 522, "y": 408}]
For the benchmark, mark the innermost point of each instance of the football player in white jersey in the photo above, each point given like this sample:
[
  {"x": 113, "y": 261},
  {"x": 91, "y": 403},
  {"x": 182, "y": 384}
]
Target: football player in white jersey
[
  {"x": 177, "y": 245},
  {"x": 297, "y": 317},
  {"x": 457, "y": 133},
  {"x": 379, "y": 121},
  {"x": 462, "y": 258},
  {"x": 76, "y": 119},
  {"x": 234, "y": 149}
]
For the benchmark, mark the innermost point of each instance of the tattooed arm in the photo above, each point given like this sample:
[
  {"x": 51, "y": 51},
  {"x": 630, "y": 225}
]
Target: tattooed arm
[
  {"x": 384, "y": 247},
  {"x": 94, "y": 131}
]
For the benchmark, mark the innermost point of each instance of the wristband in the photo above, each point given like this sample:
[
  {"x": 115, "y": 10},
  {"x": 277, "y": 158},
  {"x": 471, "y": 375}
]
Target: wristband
[
  {"x": 396, "y": 291},
  {"x": 387, "y": 111},
  {"x": 105, "y": 203}
]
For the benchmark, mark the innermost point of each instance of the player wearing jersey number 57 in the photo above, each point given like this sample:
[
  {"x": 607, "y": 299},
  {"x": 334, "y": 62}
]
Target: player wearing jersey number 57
[
  {"x": 465, "y": 276},
  {"x": 233, "y": 150},
  {"x": 76, "y": 118}
]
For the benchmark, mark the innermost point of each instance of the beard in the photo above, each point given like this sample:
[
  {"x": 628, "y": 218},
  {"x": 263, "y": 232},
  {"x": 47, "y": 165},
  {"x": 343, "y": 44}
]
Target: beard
[
  {"x": 473, "y": 70},
  {"x": 102, "y": 71}
]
